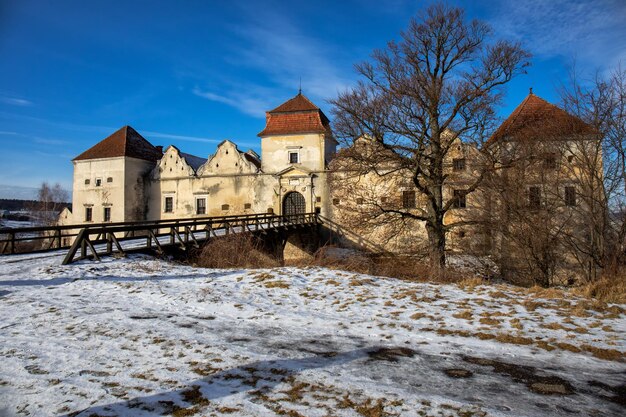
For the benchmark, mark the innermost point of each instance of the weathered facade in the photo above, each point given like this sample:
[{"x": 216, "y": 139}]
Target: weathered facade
[
  {"x": 125, "y": 178},
  {"x": 548, "y": 160}
]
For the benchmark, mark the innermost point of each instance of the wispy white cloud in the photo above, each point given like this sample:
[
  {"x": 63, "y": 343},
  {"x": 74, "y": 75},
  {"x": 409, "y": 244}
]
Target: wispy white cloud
[
  {"x": 281, "y": 54},
  {"x": 592, "y": 31},
  {"x": 15, "y": 101},
  {"x": 186, "y": 138},
  {"x": 251, "y": 105}
]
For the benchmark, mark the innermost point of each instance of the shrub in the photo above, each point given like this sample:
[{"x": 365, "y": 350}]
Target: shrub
[{"x": 234, "y": 251}]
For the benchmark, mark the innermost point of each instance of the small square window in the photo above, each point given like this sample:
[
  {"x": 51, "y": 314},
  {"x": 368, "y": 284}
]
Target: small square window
[
  {"x": 359, "y": 201},
  {"x": 98, "y": 182},
  {"x": 169, "y": 205},
  {"x": 109, "y": 179},
  {"x": 318, "y": 199},
  {"x": 270, "y": 210},
  {"x": 247, "y": 206},
  {"x": 570, "y": 158},
  {"x": 294, "y": 158},
  {"x": 201, "y": 205},
  {"x": 107, "y": 214},
  {"x": 570, "y": 196},
  {"x": 461, "y": 233},
  {"x": 384, "y": 200},
  {"x": 225, "y": 207},
  {"x": 87, "y": 181},
  {"x": 408, "y": 199},
  {"x": 335, "y": 201},
  {"x": 460, "y": 199},
  {"x": 318, "y": 210},
  {"x": 534, "y": 197},
  {"x": 458, "y": 164},
  {"x": 550, "y": 161},
  {"x": 88, "y": 214}
]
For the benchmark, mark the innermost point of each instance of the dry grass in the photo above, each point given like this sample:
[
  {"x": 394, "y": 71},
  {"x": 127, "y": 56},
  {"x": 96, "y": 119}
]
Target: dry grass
[
  {"x": 401, "y": 267},
  {"x": 611, "y": 288},
  {"x": 234, "y": 251}
]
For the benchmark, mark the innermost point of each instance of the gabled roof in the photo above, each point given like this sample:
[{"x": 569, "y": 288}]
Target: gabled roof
[
  {"x": 296, "y": 115},
  {"x": 298, "y": 103},
  {"x": 535, "y": 118},
  {"x": 192, "y": 160},
  {"x": 124, "y": 142}
]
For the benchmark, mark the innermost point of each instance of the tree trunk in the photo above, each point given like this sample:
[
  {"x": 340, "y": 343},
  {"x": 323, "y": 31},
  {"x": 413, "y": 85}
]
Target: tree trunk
[{"x": 437, "y": 240}]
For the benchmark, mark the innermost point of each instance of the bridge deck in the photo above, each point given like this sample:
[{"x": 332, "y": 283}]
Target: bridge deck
[{"x": 93, "y": 241}]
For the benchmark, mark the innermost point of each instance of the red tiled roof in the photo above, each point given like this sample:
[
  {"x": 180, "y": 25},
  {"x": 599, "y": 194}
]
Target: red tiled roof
[
  {"x": 298, "y": 103},
  {"x": 297, "y": 115},
  {"x": 124, "y": 142},
  {"x": 535, "y": 118}
]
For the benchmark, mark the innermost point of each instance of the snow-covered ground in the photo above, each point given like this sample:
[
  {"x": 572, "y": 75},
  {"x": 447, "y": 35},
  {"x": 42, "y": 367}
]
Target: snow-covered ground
[{"x": 141, "y": 337}]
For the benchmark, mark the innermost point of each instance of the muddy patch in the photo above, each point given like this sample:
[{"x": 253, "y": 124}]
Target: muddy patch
[
  {"x": 458, "y": 373},
  {"x": 540, "y": 384},
  {"x": 618, "y": 393},
  {"x": 391, "y": 354}
]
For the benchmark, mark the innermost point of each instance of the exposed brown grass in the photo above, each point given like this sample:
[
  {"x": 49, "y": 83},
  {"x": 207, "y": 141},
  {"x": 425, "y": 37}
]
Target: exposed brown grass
[
  {"x": 401, "y": 267},
  {"x": 610, "y": 288},
  {"x": 234, "y": 251}
]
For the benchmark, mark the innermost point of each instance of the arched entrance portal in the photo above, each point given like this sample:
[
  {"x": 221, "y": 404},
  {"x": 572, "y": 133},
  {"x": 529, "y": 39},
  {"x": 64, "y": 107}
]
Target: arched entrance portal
[{"x": 294, "y": 203}]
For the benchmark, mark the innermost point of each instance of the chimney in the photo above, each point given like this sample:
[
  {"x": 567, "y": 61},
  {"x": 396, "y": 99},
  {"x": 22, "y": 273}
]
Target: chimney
[{"x": 159, "y": 148}]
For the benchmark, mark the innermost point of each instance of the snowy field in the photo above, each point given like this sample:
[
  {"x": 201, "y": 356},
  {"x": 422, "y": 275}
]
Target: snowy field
[{"x": 144, "y": 337}]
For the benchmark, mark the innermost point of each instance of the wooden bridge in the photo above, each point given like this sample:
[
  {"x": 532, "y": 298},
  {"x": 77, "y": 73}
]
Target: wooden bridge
[{"x": 105, "y": 239}]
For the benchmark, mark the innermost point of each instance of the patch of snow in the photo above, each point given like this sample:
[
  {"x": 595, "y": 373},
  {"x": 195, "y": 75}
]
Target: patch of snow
[{"x": 145, "y": 337}]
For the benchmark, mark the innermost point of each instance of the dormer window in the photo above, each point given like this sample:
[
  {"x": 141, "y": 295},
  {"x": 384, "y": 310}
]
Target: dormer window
[{"x": 294, "y": 157}]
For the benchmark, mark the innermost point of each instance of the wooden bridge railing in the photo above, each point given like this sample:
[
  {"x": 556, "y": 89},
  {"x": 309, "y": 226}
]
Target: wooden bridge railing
[{"x": 179, "y": 231}]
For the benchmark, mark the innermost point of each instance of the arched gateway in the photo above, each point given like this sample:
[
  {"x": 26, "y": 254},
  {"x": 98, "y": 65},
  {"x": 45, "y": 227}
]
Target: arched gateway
[{"x": 294, "y": 203}]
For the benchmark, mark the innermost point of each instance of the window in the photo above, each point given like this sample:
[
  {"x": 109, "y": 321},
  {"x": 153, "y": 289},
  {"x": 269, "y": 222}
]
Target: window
[
  {"x": 109, "y": 179},
  {"x": 460, "y": 199},
  {"x": 88, "y": 214},
  {"x": 318, "y": 199},
  {"x": 225, "y": 207},
  {"x": 335, "y": 201},
  {"x": 461, "y": 234},
  {"x": 169, "y": 205},
  {"x": 318, "y": 210},
  {"x": 408, "y": 199},
  {"x": 87, "y": 181},
  {"x": 359, "y": 201},
  {"x": 570, "y": 158},
  {"x": 98, "y": 182},
  {"x": 384, "y": 200},
  {"x": 550, "y": 161},
  {"x": 107, "y": 214},
  {"x": 294, "y": 157},
  {"x": 570, "y": 196},
  {"x": 201, "y": 205},
  {"x": 458, "y": 164},
  {"x": 270, "y": 210},
  {"x": 247, "y": 206},
  {"x": 534, "y": 197}
]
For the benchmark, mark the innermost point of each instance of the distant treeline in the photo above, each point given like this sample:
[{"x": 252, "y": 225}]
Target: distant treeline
[{"x": 19, "y": 205}]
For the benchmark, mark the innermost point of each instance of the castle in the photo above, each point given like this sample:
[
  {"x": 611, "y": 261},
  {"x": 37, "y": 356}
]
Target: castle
[{"x": 126, "y": 178}]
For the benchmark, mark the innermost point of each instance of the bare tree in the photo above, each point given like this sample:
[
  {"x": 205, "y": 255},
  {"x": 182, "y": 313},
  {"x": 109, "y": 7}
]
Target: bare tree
[
  {"x": 440, "y": 82},
  {"x": 601, "y": 102},
  {"x": 50, "y": 201}
]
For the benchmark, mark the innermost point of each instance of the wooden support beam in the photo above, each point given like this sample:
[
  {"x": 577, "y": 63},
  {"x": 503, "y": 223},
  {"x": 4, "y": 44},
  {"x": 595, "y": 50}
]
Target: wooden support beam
[
  {"x": 93, "y": 250},
  {"x": 74, "y": 248},
  {"x": 182, "y": 242},
  {"x": 117, "y": 243},
  {"x": 156, "y": 241}
]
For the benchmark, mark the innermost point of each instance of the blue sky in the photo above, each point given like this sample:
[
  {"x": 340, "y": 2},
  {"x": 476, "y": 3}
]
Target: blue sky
[{"x": 194, "y": 73}]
